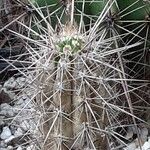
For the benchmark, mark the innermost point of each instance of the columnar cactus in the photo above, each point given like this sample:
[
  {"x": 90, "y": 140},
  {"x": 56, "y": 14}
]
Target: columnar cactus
[{"x": 83, "y": 83}]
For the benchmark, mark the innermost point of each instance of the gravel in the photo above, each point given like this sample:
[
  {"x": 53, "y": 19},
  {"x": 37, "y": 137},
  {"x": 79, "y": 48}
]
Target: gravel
[{"x": 19, "y": 121}]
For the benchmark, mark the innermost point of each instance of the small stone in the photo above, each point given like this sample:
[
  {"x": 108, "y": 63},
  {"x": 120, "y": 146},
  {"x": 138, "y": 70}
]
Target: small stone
[
  {"x": 137, "y": 149},
  {"x": 148, "y": 139},
  {"x": 31, "y": 147},
  {"x": 25, "y": 125},
  {"x": 10, "y": 148},
  {"x": 6, "y": 133},
  {"x": 131, "y": 146},
  {"x": 6, "y": 109},
  {"x": 18, "y": 132},
  {"x": 9, "y": 139},
  {"x": 129, "y": 134},
  {"x": 143, "y": 138},
  {"x": 20, "y": 82},
  {"x": 10, "y": 83},
  {"x": 146, "y": 146},
  {"x": 2, "y": 144},
  {"x": 19, "y": 102},
  {"x": 19, "y": 148},
  {"x": 134, "y": 130},
  {"x": 144, "y": 131}
]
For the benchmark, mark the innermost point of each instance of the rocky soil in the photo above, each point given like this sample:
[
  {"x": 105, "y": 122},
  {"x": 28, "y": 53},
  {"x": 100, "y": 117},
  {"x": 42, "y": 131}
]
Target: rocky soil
[{"x": 19, "y": 120}]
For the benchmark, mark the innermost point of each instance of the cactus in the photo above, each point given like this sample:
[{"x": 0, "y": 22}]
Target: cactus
[{"x": 85, "y": 81}]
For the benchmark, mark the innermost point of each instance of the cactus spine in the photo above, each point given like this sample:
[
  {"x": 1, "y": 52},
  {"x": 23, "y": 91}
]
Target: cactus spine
[{"x": 82, "y": 78}]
